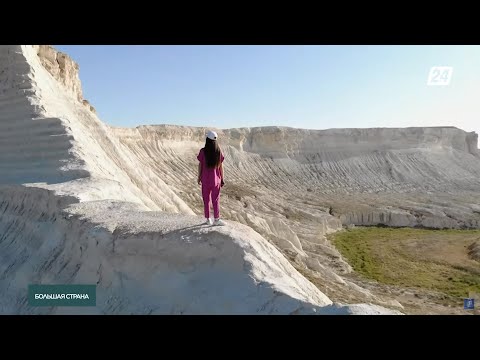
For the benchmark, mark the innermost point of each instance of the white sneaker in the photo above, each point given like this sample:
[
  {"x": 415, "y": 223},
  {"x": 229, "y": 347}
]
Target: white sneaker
[
  {"x": 208, "y": 222},
  {"x": 219, "y": 222}
]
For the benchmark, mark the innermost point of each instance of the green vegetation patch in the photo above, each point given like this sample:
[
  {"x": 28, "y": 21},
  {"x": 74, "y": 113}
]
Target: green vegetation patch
[{"x": 430, "y": 259}]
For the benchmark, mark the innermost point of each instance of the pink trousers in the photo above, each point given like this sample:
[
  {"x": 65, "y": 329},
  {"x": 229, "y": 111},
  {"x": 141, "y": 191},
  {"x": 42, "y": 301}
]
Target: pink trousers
[{"x": 214, "y": 193}]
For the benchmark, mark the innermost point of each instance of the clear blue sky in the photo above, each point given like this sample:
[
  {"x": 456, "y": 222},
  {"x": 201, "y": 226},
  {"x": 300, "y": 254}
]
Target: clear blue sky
[{"x": 316, "y": 87}]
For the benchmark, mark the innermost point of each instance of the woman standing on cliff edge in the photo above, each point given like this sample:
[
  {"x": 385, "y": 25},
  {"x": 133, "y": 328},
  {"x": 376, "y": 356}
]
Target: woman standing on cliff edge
[{"x": 210, "y": 176}]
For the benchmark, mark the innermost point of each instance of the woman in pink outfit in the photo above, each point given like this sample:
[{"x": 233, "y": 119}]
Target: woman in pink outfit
[{"x": 210, "y": 176}]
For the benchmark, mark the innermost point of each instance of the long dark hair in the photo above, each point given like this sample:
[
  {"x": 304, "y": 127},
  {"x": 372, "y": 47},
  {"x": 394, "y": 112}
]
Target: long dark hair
[{"x": 212, "y": 153}]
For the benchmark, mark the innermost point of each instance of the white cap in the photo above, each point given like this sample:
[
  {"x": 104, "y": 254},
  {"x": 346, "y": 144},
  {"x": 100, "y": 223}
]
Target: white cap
[{"x": 212, "y": 135}]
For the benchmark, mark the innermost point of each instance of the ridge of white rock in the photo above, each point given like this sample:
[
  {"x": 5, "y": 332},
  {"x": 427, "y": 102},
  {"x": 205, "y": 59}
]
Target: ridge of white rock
[
  {"x": 55, "y": 138},
  {"x": 146, "y": 262}
]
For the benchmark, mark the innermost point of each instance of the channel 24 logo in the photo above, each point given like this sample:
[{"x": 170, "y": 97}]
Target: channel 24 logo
[{"x": 440, "y": 76}]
